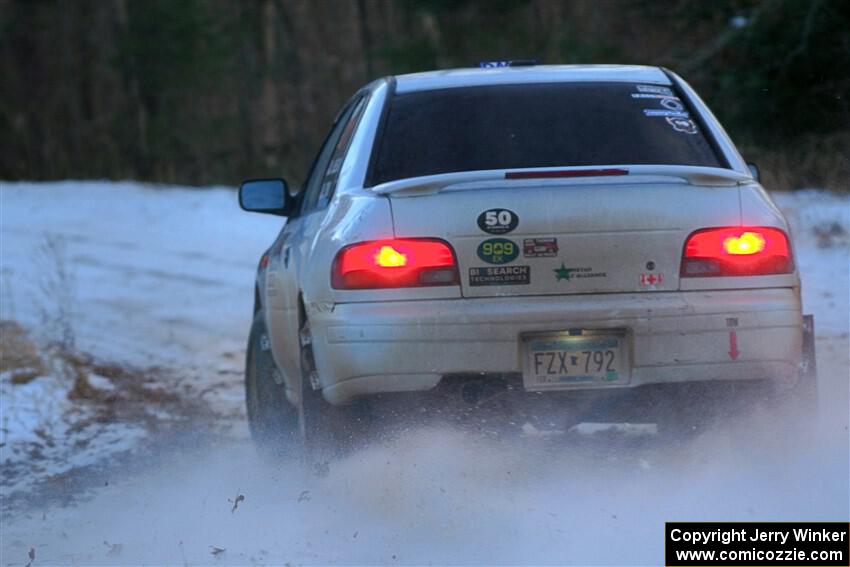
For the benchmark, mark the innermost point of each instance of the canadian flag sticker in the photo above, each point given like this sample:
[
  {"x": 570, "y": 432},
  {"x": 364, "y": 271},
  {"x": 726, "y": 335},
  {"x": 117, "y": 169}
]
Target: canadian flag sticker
[{"x": 651, "y": 279}]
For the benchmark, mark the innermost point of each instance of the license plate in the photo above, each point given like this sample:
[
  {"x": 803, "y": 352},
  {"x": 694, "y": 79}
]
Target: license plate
[{"x": 561, "y": 361}]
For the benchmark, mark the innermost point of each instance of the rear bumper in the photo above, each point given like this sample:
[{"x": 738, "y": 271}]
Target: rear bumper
[{"x": 368, "y": 348}]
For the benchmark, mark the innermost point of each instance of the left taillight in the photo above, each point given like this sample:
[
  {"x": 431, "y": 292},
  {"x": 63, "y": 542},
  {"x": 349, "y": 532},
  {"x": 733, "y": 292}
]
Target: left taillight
[
  {"x": 399, "y": 262},
  {"x": 736, "y": 251}
]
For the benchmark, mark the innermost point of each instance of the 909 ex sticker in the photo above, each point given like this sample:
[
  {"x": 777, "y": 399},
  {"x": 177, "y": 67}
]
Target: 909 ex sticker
[
  {"x": 498, "y": 251},
  {"x": 500, "y": 275}
]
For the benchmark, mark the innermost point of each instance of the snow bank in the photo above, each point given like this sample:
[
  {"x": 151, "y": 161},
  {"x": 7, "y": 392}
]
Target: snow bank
[
  {"x": 820, "y": 226},
  {"x": 162, "y": 274}
]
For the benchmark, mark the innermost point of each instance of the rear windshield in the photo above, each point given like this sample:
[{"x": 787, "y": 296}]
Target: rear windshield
[{"x": 537, "y": 125}]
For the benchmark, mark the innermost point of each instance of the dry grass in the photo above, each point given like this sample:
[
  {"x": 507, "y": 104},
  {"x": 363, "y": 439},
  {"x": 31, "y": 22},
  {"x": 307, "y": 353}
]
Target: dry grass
[
  {"x": 821, "y": 162},
  {"x": 57, "y": 286},
  {"x": 18, "y": 354},
  {"x": 84, "y": 406},
  {"x": 132, "y": 390}
]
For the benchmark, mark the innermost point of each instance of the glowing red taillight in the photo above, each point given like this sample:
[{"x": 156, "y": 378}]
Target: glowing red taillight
[
  {"x": 400, "y": 262},
  {"x": 736, "y": 251}
]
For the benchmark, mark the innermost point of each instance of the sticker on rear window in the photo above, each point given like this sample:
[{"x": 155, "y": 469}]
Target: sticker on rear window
[
  {"x": 498, "y": 251},
  {"x": 540, "y": 247},
  {"x": 684, "y": 125},
  {"x": 671, "y": 103},
  {"x": 654, "y": 89},
  {"x": 501, "y": 275},
  {"x": 497, "y": 221},
  {"x": 653, "y": 95},
  {"x": 660, "y": 112}
]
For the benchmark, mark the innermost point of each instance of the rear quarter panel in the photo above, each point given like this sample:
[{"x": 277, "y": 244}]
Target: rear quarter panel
[
  {"x": 353, "y": 217},
  {"x": 757, "y": 209}
]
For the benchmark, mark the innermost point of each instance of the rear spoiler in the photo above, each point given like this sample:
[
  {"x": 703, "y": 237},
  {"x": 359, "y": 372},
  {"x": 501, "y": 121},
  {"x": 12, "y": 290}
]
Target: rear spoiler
[{"x": 712, "y": 176}]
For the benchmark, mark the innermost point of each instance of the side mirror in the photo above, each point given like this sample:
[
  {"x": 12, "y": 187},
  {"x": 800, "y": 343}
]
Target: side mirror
[
  {"x": 269, "y": 196},
  {"x": 754, "y": 169}
]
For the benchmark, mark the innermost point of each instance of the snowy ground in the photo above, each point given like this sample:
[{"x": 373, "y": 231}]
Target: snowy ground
[
  {"x": 159, "y": 282},
  {"x": 156, "y": 277}
]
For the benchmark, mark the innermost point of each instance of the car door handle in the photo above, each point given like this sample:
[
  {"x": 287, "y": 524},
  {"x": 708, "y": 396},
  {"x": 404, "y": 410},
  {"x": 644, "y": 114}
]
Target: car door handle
[{"x": 286, "y": 257}]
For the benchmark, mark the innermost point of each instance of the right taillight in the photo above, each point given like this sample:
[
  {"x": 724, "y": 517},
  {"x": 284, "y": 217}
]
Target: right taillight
[{"x": 736, "y": 251}]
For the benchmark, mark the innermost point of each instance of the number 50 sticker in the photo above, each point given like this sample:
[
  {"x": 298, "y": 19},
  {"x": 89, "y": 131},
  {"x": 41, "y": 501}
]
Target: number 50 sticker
[{"x": 497, "y": 221}]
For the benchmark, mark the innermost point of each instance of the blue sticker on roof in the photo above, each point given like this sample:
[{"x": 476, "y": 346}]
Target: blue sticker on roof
[{"x": 493, "y": 64}]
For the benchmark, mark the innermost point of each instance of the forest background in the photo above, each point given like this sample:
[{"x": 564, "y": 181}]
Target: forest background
[{"x": 207, "y": 92}]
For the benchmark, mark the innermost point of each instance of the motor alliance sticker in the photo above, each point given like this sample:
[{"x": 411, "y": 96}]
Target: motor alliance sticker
[
  {"x": 569, "y": 274},
  {"x": 498, "y": 221},
  {"x": 498, "y": 251},
  {"x": 501, "y": 275},
  {"x": 540, "y": 247}
]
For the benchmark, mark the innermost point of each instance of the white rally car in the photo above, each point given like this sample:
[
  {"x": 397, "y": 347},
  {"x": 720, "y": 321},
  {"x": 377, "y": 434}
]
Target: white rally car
[{"x": 571, "y": 229}]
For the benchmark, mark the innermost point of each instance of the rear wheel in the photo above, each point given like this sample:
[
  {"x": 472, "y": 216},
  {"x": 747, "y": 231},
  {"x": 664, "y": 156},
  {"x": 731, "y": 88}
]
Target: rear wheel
[
  {"x": 272, "y": 419},
  {"x": 326, "y": 429},
  {"x": 799, "y": 403}
]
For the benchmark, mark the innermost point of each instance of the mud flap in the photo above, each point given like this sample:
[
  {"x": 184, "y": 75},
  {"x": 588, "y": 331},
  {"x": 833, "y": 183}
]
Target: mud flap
[
  {"x": 808, "y": 365},
  {"x": 807, "y": 384}
]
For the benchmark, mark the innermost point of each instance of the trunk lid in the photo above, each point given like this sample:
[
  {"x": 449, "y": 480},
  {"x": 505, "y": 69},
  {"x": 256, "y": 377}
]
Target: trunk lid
[{"x": 566, "y": 236}]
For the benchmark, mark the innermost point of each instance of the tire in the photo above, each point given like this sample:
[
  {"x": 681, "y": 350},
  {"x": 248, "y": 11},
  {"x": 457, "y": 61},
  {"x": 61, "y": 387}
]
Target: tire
[
  {"x": 326, "y": 429},
  {"x": 272, "y": 419},
  {"x": 800, "y": 402}
]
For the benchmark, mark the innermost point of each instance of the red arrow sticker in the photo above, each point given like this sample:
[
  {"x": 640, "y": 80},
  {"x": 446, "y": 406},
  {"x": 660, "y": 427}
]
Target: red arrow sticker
[{"x": 733, "y": 345}]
